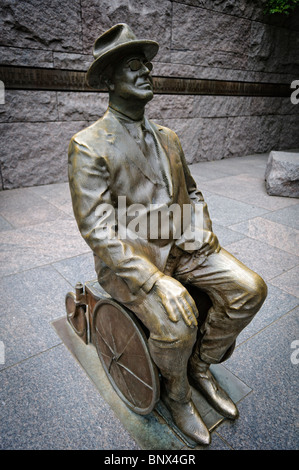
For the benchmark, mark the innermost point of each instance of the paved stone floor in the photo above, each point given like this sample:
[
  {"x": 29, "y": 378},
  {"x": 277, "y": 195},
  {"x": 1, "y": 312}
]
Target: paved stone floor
[{"x": 46, "y": 399}]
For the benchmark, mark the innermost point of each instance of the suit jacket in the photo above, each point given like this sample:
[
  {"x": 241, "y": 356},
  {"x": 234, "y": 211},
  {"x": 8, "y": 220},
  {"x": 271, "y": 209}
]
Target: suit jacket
[{"x": 105, "y": 162}]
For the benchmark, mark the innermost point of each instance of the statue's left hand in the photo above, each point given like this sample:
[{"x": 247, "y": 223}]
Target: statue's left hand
[{"x": 176, "y": 300}]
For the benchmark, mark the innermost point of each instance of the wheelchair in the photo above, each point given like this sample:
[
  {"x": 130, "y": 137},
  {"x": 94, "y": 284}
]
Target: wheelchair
[{"x": 121, "y": 342}]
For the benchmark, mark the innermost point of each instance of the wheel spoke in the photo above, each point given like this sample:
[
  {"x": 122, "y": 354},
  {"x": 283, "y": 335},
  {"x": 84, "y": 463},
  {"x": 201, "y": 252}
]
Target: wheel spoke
[
  {"x": 125, "y": 383},
  {"x": 110, "y": 364},
  {"x": 134, "y": 375},
  {"x": 101, "y": 336},
  {"x": 129, "y": 340},
  {"x": 112, "y": 336}
]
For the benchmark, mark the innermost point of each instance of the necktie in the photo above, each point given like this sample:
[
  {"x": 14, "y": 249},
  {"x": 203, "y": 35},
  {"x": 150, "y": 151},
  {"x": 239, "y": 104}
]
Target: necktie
[
  {"x": 153, "y": 149},
  {"x": 153, "y": 152}
]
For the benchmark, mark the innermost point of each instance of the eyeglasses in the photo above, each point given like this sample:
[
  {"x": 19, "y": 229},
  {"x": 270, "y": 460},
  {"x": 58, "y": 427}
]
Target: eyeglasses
[{"x": 136, "y": 64}]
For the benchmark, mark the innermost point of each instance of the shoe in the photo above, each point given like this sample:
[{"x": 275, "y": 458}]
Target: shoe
[
  {"x": 206, "y": 384},
  {"x": 188, "y": 420}
]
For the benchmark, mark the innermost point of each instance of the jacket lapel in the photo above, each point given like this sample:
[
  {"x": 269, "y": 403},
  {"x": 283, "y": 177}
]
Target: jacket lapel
[
  {"x": 128, "y": 147},
  {"x": 166, "y": 154}
]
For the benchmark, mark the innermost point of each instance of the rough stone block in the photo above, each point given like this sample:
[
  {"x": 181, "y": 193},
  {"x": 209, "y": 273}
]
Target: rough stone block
[
  {"x": 204, "y": 65},
  {"x": 26, "y": 57},
  {"x": 242, "y": 8},
  {"x": 208, "y": 30},
  {"x": 270, "y": 128},
  {"x": 272, "y": 49},
  {"x": 201, "y": 139},
  {"x": 234, "y": 106},
  {"x": 210, "y": 57},
  {"x": 72, "y": 61},
  {"x": 253, "y": 10},
  {"x": 147, "y": 19},
  {"x": 33, "y": 106},
  {"x": 289, "y": 136},
  {"x": 163, "y": 106},
  {"x": 31, "y": 24},
  {"x": 76, "y": 106},
  {"x": 35, "y": 153},
  {"x": 252, "y": 134},
  {"x": 282, "y": 174}
]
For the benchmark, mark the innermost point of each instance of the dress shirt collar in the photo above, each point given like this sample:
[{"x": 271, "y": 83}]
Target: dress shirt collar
[{"x": 127, "y": 120}]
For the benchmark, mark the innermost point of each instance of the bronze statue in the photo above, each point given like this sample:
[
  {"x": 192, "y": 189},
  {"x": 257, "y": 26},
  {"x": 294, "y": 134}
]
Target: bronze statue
[{"x": 126, "y": 158}]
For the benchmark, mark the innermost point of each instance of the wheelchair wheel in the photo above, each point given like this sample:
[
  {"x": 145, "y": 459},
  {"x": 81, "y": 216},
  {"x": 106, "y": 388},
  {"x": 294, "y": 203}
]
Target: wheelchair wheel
[
  {"x": 76, "y": 316},
  {"x": 122, "y": 348}
]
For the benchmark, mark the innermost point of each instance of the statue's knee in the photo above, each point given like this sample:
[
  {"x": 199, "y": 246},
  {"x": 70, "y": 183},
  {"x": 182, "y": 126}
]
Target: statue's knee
[
  {"x": 188, "y": 335},
  {"x": 177, "y": 335},
  {"x": 260, "y": 290},
  {"x": 249, "y": 297}
]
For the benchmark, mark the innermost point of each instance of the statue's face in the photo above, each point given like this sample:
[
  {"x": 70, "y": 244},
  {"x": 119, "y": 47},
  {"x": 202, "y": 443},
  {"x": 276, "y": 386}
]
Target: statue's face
[{"x": 132, "y": 79}]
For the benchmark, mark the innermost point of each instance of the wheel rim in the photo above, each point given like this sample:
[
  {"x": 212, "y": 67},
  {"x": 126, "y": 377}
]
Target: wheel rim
[{"x": 122, "y": 348}]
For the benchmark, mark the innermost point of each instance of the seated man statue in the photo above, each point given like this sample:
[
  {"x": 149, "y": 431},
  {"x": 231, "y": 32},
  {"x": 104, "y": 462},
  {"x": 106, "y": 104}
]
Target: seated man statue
[{"x": 124, "y": 161}]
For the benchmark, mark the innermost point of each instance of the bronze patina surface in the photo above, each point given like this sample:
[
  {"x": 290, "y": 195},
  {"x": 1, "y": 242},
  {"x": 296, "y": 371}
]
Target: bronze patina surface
[{"x": 148, "y": 225}]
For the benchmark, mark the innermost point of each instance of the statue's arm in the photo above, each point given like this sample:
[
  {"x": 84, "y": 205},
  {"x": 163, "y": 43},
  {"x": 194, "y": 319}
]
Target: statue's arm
[
  {"x": 195, "y": 194},
  {"x": 89, "y": 179},
  {"x": 207, "y": 241}
]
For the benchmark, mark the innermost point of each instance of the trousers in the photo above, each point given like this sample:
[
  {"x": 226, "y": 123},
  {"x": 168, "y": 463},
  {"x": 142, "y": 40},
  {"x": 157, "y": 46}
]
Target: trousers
[{"x": 236, "y": 294}]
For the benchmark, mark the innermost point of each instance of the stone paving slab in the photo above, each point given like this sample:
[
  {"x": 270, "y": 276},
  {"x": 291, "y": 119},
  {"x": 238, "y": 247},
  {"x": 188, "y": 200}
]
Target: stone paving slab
[
  {"x": 226, "y": 211},
  {"x": 288, "y": 281},
  {"x": 77, "y": 269},
  {"x": 262, "y": 258},
  {"x": 274, "y": 234},
  {"x": 17, "y": 208},
  {"x": 47, "y": 403},
  {"x": 269, "y": 415},
  {"x": 39, "y": 245},
  {"x": 287, "y": 216},
  {"x": 248, "y": 189},
  {"x": 277, "y": 304}
]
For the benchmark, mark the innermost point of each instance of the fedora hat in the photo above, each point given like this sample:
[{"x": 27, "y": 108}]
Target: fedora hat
[{"x": 115, "y": 42}]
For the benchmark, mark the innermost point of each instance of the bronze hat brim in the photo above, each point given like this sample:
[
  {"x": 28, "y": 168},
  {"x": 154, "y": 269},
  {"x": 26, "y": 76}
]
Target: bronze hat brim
[{"x": 93, "y": 77}]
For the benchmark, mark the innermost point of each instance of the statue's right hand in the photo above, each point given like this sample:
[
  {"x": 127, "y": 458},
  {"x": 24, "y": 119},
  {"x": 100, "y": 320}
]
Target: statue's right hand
[{"x": 176, "y": 300}]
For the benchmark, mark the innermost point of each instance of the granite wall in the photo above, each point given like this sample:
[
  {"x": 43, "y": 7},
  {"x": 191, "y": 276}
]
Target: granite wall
[{"x": 216, "y": 39}]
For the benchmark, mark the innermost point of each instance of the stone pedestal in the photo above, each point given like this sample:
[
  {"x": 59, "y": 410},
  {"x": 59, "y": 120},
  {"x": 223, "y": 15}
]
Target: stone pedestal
[
  {"x": 282, "y": 174},
  {"x": 155, "y": 431}
]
